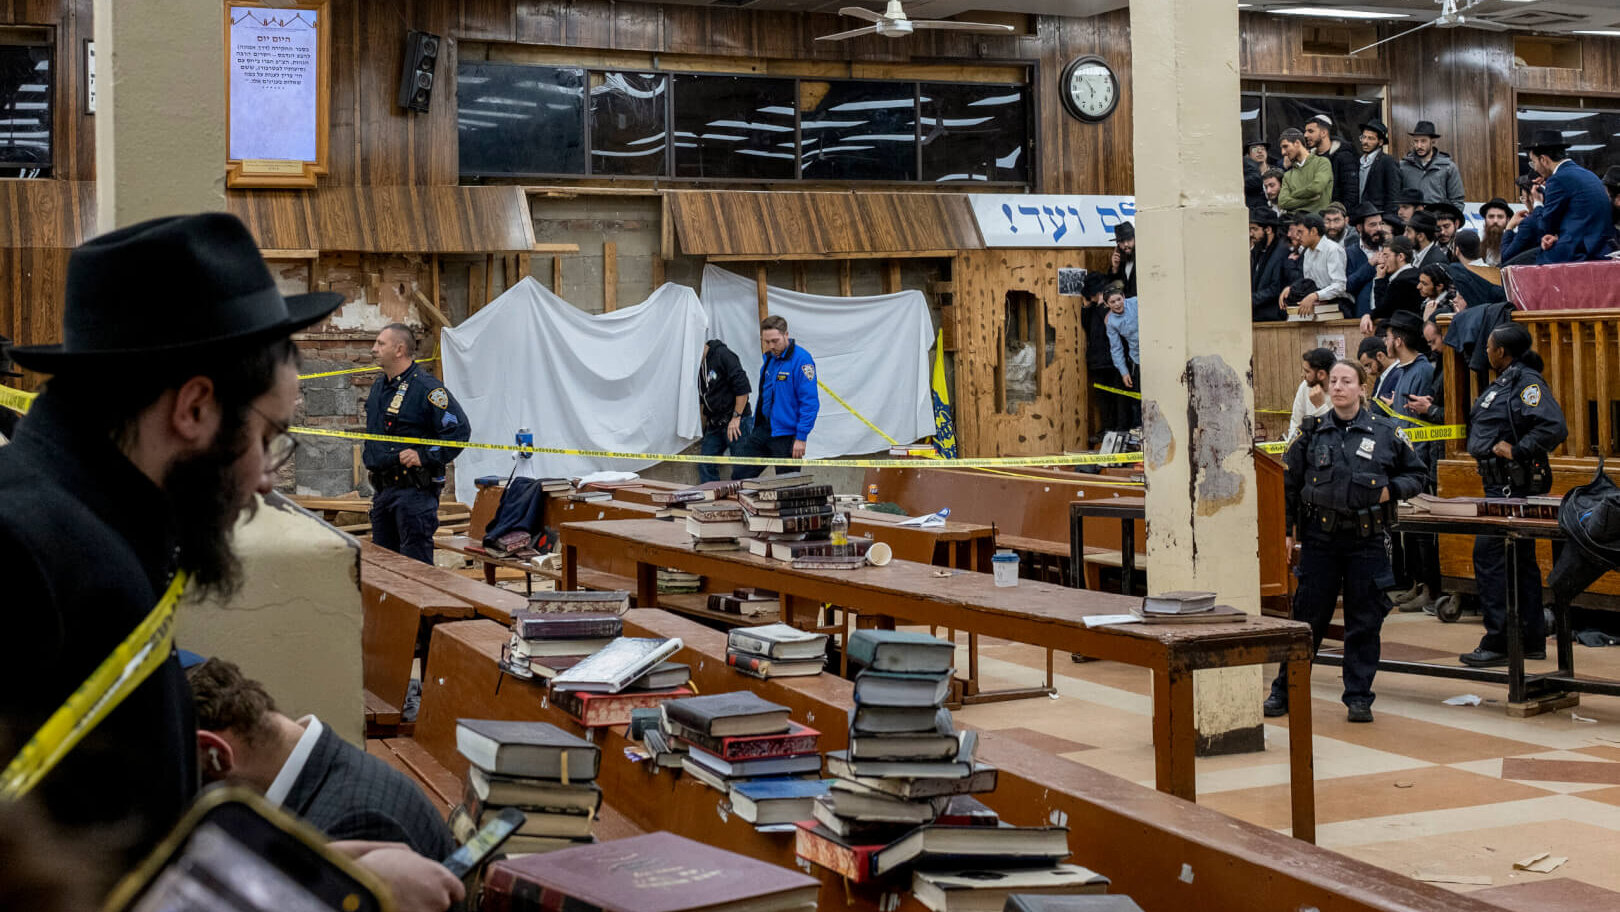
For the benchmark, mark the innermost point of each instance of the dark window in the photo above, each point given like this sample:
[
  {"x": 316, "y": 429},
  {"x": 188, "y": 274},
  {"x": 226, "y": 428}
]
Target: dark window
[
  {"x": 975, "y": 133},
  {"x": 1593, "y": 135},
  {"x": 1250, "y": 108},
  {"x": 858, "y": 130},
  {"x": 25, "y": 110},
  {"x": 517, "y": 120},
  {"x": 1285, "y": 111},
  {"x": 734, "y": 127},
  {"x": 629, "y": 115}
]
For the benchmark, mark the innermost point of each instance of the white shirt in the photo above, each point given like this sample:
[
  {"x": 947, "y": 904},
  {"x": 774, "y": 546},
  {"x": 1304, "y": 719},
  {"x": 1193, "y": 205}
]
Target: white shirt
[
  {"x": 1304, "y": 409},
  {"x": 277, "y": 793},
  {"x": 1324, "y": 264}
]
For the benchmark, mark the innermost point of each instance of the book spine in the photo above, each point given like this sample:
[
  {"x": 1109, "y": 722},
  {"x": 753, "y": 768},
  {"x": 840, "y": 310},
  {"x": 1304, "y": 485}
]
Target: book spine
[
  {"x": 803, "y": 523},
  {"x": 566, "y": 628},
  {"x": 808, "y": 492},
  {"x": 739, "y": 641},
  {"x": 755, "y": 663},
  {"x": 519, "y": 894},
  {"x": 852, "y": 862},
  {"x": 766, "y": 749}
]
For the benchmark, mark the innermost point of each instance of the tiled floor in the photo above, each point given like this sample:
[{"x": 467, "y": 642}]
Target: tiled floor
[{"x": 1427, "y": 789}]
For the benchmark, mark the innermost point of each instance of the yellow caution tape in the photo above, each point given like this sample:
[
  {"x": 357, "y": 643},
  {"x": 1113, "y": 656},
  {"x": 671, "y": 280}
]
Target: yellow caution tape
[
  {"x": 851, "y": 409},
  {"x": 1434, "y": 432},
  {"x": 1398, "y": 416},
  {"x": 1117, "y": 391},
  {"x": 15, "y": 399},
  {"x": 352, "y": 370},
  {"x": 147, "y": 647}
]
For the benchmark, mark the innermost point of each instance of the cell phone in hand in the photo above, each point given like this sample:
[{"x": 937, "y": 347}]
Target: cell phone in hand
[
  {"x": 477, "y": 850},
  {"x": 234, "y": 852}
]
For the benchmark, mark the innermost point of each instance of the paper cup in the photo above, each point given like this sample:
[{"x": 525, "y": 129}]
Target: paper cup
[{"x": 879, "y": 554}]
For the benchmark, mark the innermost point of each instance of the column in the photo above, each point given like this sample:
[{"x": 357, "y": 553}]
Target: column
[
  {"x": 1197, "y": 392},
  {"x": 160, "y": 123}
]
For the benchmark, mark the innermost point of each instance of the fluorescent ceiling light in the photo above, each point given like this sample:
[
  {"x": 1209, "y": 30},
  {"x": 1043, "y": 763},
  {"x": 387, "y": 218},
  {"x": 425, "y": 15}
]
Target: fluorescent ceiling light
[
  {"x": 1326, "y": 12},
  {"x": 1609, "y": 33}
]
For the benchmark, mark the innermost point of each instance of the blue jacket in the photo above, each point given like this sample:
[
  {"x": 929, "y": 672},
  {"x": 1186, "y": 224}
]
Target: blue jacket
[
  {"x": 1525, "y": 237},
  {"x": 1123, "y": 336},
  {"x": 1579, "y": 211},
  {"x": 789, "y": 382},
  {"x": 1358, "y": 276}
]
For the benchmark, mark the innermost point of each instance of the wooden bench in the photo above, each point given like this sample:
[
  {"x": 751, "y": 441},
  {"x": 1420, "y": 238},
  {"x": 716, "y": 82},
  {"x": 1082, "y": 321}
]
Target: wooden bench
[
  {"x": 1139, "y": 838},
  {"x": 397, "y": 609}
]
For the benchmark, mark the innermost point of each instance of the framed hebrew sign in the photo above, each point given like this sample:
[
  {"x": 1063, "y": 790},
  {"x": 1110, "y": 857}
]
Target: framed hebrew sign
[{"x": 278, "y": 87}]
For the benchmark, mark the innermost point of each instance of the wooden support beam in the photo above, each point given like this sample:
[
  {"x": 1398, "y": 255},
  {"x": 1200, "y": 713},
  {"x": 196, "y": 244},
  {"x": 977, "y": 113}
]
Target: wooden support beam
[
  {"x": 801, "y": 280},
  {"x": 891, "y": 277},
  {"x": 477, "y": 285},
  {"x": 762, "y": 286},
  {"x": 666, "y": 227},
  {"x": 658, "y": 267},
  {"x": 489, "y": 278},
  {"x": 610, "y": 276},
  {"x": 556, "y": 276},
  {"x": 846, "y": 278}
]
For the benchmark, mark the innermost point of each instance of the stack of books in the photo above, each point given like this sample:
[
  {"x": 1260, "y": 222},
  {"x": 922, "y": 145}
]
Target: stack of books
[
  {"x": 662, "y": 748},
  {"x": 678, "y": 504},
  {"x": 810, "y": 554},
  {"x": 900, "y": 795},
  {"x": 1187, "y": 607},
  {"x": 678, "y": 582},
  {"x": 746, "y": 602},
  {"x": 546, "y": 644},
  {"x": 732, "y": 737},
  {"x": 537, "y": 768},
  {"x": 776, "y": 651},
  {"x": 657, "y": 872},
  {"x": 787, "y": 507},
  {"x": 716, "y": 525},
  {"x": 629, "y": 673}
]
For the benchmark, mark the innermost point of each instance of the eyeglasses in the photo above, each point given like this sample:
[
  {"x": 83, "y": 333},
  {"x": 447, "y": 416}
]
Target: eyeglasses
[{"x": 278, "y": 450}]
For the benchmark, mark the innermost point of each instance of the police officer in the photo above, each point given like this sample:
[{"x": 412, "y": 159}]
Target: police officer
[
  {"x": 788, "y": 400},
  {"x": 1344, "y": 473},
  {"x": 1515, "y": 423},
  {"x": 406, "y": 478}
]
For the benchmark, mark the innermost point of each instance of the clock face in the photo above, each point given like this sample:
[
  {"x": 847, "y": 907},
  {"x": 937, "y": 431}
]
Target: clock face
[{"x": 1090, "y": 89}]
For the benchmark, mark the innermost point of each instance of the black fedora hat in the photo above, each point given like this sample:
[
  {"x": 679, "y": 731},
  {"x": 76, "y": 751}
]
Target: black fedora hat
[
  {"x": 1409, "y": 196},
  {"x": 1444, "y": 208},
  {"x": 167, "y": 287},
  {"x": 1251, "y": 143},
  {"x": 1496, "y": 203},
  {"x": 1376, "y": 126},
  {"x": 1546, "y": 139},
  {"x": 1611, "y": 177},
  {"x": 1264, "y": 216},
  {"x": 1362, "y": 212},
  {"x": 1406, "y": 320},
  {"x": 1424, "y": 222},
  {"x": 1424, "y": 128},
  {"x": 1394, "y": 222}
]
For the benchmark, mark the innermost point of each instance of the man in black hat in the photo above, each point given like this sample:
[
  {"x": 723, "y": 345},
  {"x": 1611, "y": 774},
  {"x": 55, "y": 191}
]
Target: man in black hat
[
  {"x": 1424, "y": 231},
  {"x": 1255, "y": 165},
  {"x": 1395, "y": 288},
  {"x": 1577, "y": 214},
  {"x": 1122, "y": 262},
  {"x": 1378, "y": 176},
  {"x": 1268, "y": 262},
  {"x": 1448, "y": 219},
  {"x": 1343, "y": 159},
  {"x": 1099, "y": 357},
  {"x": 8, "y": 418},
  {"x": 1363, "y": 255},
  {"x": 1429, "y": 171},
  {"x": 406, "y": 478},
  {"x": 1496, "y": 213},
  {"x": 1408, "y": 202},
  {"x": 167, "y": 410}
]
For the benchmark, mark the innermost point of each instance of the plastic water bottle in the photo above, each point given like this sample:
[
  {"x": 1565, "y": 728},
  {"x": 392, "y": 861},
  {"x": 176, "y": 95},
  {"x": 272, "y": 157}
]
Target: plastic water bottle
[
  {"x": 840, "y": 533},
  {"x": 1005, "y": 566},
  {"x": 525, "y": 438}
]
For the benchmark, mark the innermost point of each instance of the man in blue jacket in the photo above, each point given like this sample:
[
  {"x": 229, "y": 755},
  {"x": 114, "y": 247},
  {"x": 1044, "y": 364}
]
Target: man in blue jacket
[
  {"x": 1576, "y": 223},
  {"x": 788, "y": 400}
]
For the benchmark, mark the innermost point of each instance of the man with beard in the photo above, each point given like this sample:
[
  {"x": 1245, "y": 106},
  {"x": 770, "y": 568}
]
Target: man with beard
[
  {"x": 1496, "y": 214},
  {"x": 1268, "y": 260},
  {"x": 1307, "y": 185},
  {"x": 167, "y": 409},
  {"x": 1378, "y": 175},
  {"x": 1271, "y": 186},
  {"x": 1363, "y": 257},
  {"x": 1430, "y": 172},
  {"x": 1343, "y": 160},
  {"x": 1576, "y": 216},
  {"x": 1122, "y": 262},
  {"x": 1336, "y": 225},
  {"x": 1448, "y": 219}
]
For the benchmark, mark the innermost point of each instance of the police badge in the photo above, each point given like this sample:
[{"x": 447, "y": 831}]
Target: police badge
[
  {"x": 809, "y": 371},
  {"x": 440, "y": 398},
  {"x": 1531, "y": 395}
]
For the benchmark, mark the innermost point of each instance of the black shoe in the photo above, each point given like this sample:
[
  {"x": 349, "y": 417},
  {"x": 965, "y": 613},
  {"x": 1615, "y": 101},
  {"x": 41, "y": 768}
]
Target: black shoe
[
  {"x": 1275, "y": 706},
  {"x": 1360, "y": 712},
  {"x": 1484, "y": 658}
]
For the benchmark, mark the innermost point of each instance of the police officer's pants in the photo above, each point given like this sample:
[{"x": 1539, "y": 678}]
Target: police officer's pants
[
  {"x": 1359, "y": 569},
  {"x": 1491, "y": 581},
  {"x": 760, "y": 445},
  {"x": 404, "y": 519}
]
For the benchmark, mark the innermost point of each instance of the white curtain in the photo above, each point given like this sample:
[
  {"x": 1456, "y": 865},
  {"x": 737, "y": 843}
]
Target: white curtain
[
  {"x": 624, "y": 381},
  {"x": 872, "y": 352}
]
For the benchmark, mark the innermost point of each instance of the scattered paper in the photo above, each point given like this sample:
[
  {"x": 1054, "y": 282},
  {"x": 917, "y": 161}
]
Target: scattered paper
[
  {"x": 1110, "y": 620},
  {"x": 1463, "y": 700},
  {"x": 606, "y": 478},
  {"x": 931, "y": 520},
  {"x": 1474, "y": 879},
  {"x": 1544, "y": 863},
  {"x": 1577, "y": 717},
  {"x": 1402, "y": 784}
]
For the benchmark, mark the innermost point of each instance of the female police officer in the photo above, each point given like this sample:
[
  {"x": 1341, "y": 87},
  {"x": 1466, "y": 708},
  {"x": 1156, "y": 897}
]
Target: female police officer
[
  {"x": 1515, "y": 423},
  {"x": 1344, "y": 472}
]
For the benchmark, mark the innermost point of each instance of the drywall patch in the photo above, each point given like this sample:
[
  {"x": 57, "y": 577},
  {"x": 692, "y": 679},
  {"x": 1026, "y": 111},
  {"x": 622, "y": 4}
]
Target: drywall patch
[
  {"x": 1160, "y": 444},
  {"x": 1218, "y": 428}
]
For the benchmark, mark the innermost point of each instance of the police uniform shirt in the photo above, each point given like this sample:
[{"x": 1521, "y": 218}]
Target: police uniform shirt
[
  {"x": 1519, "y": 408},
  {"x": 414, "y": 404},
  {"x": 1336, "y": 467}
]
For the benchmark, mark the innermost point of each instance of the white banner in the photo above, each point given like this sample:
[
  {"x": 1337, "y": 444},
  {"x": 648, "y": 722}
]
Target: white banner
[{"x": 1049, "y": 220}]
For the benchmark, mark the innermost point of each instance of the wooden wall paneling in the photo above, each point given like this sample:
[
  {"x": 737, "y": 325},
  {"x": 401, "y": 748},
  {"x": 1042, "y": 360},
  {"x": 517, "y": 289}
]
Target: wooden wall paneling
[
  {"x": 846, "y": 278},
  {"x": 495, "y": 20},
  {"x": 610, "y": 276},
  {"x": 1070, "y": 156},
  {"x": 801, "y": 277},
  {"x": 477, "y": 286},
  {"x": 557, "y": 276},
  {"x": 1580, "y": 433},
  {"x": 1273, "y": 47},
  {"x": 891, "y": 276}
]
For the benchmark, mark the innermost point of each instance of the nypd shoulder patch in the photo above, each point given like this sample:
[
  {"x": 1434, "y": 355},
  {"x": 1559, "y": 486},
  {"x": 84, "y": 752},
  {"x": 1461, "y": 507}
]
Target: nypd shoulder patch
[
  {"x": 440, "y": 398},
  {"x": 809, "y": 371},
  {"x": 1531, "y": 395}
]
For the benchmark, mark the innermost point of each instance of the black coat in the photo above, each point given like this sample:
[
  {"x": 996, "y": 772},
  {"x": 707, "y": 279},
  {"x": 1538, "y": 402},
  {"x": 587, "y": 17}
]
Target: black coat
[
  {"x": 1267, "y": 279},
  {"x": 1346, "y": 175},
  {"x": 721, "y": 381},
  {"x": 1098, "y": 356},
  {"x": 1398, "y": 293},
  {"x": 348, "y": 794},
  {"x": 1254, "y": 193},
  {"x": 87, "y": 546},
  {"x": 1383, "y": 182}
]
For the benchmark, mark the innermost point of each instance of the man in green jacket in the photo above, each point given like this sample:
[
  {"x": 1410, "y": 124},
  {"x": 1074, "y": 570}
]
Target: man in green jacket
[{"x": 1307, "y": 185}]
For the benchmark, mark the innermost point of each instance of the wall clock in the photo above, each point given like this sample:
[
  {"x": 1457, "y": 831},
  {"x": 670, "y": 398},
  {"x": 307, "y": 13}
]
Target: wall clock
[{"x": 1089, "y": 88}]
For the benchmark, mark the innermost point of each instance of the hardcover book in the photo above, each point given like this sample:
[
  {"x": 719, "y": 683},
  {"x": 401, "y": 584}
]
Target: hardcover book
[
  {"x": 853, "y": 830},
  {"x": 1178, "y": 602},
  {"x": 988, "y": 891},
  {"x": 933, "y": 845},
  {"x": 596, "y": 710},
  {"x": 883, "y": 720},
  {"x": 778, "y": 641},
  {"x": 966, "y": 810},
  {"x": 537, "y": 749},
  {"x": 783, "y": 509},
  {"x": 494, "y": 790},
  {"x": 554, "y": 823},
  {"x": 789, "y": 523},
  {"x": 763, "y": 802},
  {"x": 663, "y": 676},
  {"x": 788, "y": 493},
  {"x": 799, "y": 739},
  {"x": 913, "y": 787},
  {"x": 617, "y": 664},
  {"x": 715, "y": 529},
  {"x": 959, "y": 766},
  {"x": 901, "y": 651},
  {"x": 889, "y": 688},
  {"x": 717, "y": 512},
  {"x": 657, "y": 872},
  {"x": 578, "y": 649},
  {"x": 552, "y": 602},
  {"x": 772, "y": 482},
  {"x": 760, "y": 667},
  {"x": 1220, "y": 614},
  {"x": 534, "y": 625},
  {"x": 909, "y": 746},
  {"x": 848, "y": 798},
  {"x": 1022, "y": 902},
  {"x": 729, "y": 715},
  {"x": 794, "y": 765},
  {"x": 818, "y": 845}
]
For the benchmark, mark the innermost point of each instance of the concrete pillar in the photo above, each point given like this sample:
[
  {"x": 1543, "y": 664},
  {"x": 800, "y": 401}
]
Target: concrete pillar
[
  {"x": 1197, "y": 389},
  {"x": 160, "y": 119}
]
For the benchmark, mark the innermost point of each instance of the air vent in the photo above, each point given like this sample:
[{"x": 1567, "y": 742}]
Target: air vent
[{"x": 1537, "y": 18}]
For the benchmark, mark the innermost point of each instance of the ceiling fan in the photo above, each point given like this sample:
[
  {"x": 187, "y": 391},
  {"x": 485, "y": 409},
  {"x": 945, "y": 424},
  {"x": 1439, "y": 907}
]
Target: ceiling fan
[
  {"x": 892, "y": 23},
  {"x": 1451, "y": 16}
]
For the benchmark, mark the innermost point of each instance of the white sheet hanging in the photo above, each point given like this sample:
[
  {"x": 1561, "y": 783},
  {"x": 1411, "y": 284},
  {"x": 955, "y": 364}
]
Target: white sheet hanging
[
  {"x": 871, "y": 351},
  {"x": 624, "y": 381}
]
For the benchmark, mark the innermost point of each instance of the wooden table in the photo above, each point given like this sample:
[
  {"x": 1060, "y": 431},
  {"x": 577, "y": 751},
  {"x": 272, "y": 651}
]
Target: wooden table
[
  {"x": 1037, "y": 613},
  {"x": 1129, "y": 511}
]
